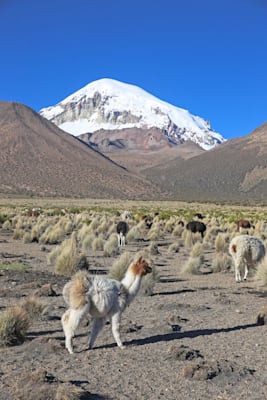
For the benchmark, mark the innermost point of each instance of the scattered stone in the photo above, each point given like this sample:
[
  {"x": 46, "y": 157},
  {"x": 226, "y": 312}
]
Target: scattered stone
[
  {"x": 183, "y": 353},
  {"x": 45, "y": 290},
  {"x": 209, "y": 370}
]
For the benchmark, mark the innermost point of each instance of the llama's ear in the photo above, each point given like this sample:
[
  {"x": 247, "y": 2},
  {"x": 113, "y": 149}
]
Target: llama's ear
[{"x": 139, "y": 259}]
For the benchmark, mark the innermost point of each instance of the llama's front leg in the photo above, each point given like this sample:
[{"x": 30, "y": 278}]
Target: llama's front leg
[
  {"x": 70, "y": 321},
  {"x": 97, "y": 325},
  {"x": 115, "y": 326},
  {"x": 119, "y": 240}
]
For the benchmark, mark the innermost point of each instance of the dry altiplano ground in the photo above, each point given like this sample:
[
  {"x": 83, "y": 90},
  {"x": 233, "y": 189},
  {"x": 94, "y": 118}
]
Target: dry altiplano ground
[{"x": 194, "y": 338}]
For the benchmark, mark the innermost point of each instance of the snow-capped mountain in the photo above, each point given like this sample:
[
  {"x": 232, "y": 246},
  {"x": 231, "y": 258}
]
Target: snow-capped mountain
[{"x": 109, "y": 105}]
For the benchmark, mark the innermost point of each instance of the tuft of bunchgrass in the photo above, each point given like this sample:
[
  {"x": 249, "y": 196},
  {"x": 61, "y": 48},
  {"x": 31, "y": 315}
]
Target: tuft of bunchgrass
[
  {"x": 153, "y": 248},
  {"x": 134, "y": 234},
  {"x": 195, "y": 260},
  {"x": 197, "y": 251},
  {"x": 34, "y": 307},
  {"x": 98, "y": 244},
  {"x": 68, "y": 259},
  {"x": 188, "y": 239},
  {"x": 174, "y": 248},
  {"x": 119, "y": 267},
  {"x": 16, "y": 319},
  {"x": 222, "y": 262},
  {"x": 192, "y": 266},
  {"x": 87, "y": 241},
  {"x": 221, "y": 242},
  {"x": 111, "y": 248},
  {"x": 14, "y": 323},
  {"x": 178, "y": 230},
  {"x": 26, "y": 237}
]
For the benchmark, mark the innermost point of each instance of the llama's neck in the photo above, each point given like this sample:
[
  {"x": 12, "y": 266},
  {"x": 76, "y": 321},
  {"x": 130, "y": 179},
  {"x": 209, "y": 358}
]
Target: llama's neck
[{"x": 132, "y": 283}]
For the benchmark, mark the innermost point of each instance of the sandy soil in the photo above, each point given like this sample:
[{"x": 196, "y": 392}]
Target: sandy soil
[{"x": 195, "y": 338}]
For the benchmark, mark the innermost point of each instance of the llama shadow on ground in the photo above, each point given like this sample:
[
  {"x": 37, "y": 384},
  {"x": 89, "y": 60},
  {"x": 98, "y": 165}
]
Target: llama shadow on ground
[{"x": 179, "y": 335}]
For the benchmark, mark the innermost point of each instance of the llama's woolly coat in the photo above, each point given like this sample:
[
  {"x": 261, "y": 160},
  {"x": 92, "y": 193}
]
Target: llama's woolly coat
[
  {"x": 246, "y": 251},
  {"x": 102, "y": 298}
]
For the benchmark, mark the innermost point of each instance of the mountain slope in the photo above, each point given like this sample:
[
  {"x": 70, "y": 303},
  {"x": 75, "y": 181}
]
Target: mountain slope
[
  {"x": 234, "y": 171},
  {"x": 107, "y": 105},
  {"x": 38, "y": 158}
]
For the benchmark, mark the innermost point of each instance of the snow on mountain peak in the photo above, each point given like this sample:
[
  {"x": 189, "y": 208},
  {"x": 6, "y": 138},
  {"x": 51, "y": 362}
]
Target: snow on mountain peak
[{"x": 108, "y": 104}]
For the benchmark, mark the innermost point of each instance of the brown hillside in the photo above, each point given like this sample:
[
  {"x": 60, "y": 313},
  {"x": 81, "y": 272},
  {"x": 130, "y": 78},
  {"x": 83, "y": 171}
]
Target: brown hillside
[
  {"x": 140, "y": 160},
  {"x": 37, "y": 158},
  {"x": 233, "y": 171}
]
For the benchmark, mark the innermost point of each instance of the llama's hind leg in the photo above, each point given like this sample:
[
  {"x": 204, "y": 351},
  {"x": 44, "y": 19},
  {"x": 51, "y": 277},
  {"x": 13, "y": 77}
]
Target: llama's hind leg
[
  {"x": 97, "y": 325},
  {"x": 238, "y": 267},
  {"x": 246, "y": 272},
  {"x": 70, "y": 321},
  {"x": 115, "y": 326}
]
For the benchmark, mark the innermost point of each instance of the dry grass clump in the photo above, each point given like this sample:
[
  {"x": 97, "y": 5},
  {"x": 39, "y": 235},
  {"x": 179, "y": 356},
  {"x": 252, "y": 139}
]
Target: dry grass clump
[
  {"x": 170, "y": 224},
  {"x": 34, "y": 307},
  {"x": 55, "y": 235},
  {"x": 178, "y": 230},
  {"x": 87, "y": 241},
  {"x": 14, "y": 323},
  {"x": 111, "y": 248},
  {"x": 7, "y": 225},
  {"x": 191, "y": 238},
  {"x": 119, "y": 267},
  {"x": 103, "y": 226},
  {"x": 68, "y": 258},
  {"x": 155, "y": 233},
  {"x": 134, "y": 234},
  {"x": 18, "y": 234},
  {"x": 174, "y": 248},
  {"x": 195, "y": 260},
  {"x": 98, "y": 243},
  {"x": 83, "y": 232},
  {"x": 26, "y": 237},
  {"x": 260, "y": 276},
  {"x": 15, "y": 320},
  {"x": 221, "y": 242},
  {"x": 153, "y": 249},
  {"x": 222, "y": 262},
  {"x": 197, "y": 251}
]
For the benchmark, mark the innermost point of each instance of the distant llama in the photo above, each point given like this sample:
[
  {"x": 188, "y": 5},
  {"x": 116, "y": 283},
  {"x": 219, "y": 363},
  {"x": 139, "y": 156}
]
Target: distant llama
[
  {"x": 196, "y": 227},
  {"x": 246, "y": 251},
  {"x": 122, "y": 230},
  {"x": 243, "y": 224}
]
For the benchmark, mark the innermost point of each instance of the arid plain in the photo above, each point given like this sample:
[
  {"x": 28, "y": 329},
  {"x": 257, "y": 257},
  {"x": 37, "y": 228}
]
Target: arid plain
[{"x": 191, "y": 332}]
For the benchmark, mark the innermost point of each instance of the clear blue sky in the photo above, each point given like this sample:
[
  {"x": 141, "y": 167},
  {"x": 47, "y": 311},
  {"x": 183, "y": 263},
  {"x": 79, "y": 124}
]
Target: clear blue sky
[{"x": 208, "y": 56}]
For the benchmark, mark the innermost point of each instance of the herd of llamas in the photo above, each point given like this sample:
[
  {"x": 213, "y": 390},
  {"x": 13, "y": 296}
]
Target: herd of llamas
[{"x": 106, "y": 297}]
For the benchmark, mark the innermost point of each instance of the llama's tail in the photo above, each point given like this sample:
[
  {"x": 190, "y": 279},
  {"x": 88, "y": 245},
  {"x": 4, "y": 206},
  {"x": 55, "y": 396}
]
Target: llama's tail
[{"x": 74, "y": 292}]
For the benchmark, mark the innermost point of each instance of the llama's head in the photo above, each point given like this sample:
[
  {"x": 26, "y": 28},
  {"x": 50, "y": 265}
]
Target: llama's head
[{"x": 141, "y": 267}]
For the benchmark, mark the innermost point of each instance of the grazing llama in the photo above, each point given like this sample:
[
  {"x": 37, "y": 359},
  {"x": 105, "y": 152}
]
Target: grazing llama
[
  {"x": 122, "y": 229},
  {"x": 196, "y": 226},
  {"x": 246, "y": 251},
  {"x": 102, "y": 298},
  {"x": 243, "y": 224}
]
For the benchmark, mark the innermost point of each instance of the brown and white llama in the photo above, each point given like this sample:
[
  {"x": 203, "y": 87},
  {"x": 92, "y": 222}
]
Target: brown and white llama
[{"x": 102, "y": 298}]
